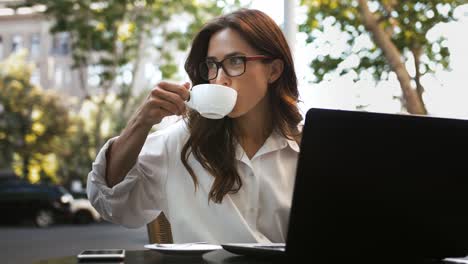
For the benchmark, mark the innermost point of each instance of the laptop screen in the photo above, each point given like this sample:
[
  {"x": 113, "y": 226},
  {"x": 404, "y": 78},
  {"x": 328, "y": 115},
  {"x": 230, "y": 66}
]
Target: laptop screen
[{"x": 373, "y": 184}]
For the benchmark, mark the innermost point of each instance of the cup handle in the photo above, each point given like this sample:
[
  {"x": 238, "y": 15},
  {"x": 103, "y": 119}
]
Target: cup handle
[{"x": 189, "y": 102}]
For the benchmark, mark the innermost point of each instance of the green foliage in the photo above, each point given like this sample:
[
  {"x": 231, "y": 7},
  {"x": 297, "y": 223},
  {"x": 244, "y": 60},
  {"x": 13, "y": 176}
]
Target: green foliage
[
  {"x": 110, "y": 36},
  {"x": 406, "y": 23},
  {"x": 75, "y": 158},
  {"x": 109, "y": 33},
  {"x": 33, "y": 122}
]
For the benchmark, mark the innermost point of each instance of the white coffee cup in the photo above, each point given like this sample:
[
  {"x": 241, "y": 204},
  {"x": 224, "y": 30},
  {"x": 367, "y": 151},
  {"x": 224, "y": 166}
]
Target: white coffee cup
[{"x": 212, "y": 101}]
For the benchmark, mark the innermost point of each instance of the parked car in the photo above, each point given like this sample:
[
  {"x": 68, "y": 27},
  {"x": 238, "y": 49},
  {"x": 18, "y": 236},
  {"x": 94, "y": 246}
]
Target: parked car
[
  {"x": 43, "y": 204},
  {"x": 82, "y": 210}
]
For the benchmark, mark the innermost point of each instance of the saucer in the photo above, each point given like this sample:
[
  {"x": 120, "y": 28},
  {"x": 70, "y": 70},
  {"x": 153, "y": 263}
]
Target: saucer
[{"x": 184, "y": 248}]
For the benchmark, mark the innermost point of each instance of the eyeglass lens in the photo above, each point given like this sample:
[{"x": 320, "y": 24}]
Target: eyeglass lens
[{"x": 232, "y": 66}]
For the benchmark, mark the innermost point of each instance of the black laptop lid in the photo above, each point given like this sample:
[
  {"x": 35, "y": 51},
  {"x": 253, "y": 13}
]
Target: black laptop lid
[{"x": 385, "y": 185}]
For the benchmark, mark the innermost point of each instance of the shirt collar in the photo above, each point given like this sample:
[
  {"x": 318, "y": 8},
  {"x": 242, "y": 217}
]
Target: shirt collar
[
  {"x": 293, "y": 145},
  {"x": 274, "y": 142}
]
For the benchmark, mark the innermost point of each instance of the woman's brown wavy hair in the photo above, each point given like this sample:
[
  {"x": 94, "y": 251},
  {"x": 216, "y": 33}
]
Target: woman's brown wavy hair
[{"x": 212, "y": 141}]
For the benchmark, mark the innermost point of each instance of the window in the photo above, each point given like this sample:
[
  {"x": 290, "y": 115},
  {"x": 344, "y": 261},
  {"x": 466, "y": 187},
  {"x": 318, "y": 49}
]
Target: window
[
  {"x": 59, "y": 77},
  {"x": 61, "y": 44},
  {"x": 35, "y": 45},
  {"x": 16, "y": 43},
  {"x": 36, "y": 76},
  {"x": 1, "y": 47}
]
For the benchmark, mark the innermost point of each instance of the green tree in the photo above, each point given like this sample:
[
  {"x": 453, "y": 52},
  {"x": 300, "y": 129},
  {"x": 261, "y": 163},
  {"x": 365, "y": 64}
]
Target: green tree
[
  {"x": 75, "y": 158},
  {"x": 398, "y": 30},
  {"x": 32, "y": 121},
  {"x": 111, "y": 35}
]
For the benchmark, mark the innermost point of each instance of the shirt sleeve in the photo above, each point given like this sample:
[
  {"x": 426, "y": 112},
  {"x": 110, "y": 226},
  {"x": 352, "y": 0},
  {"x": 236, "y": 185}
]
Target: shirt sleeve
[{"x": 140, "y": 197}]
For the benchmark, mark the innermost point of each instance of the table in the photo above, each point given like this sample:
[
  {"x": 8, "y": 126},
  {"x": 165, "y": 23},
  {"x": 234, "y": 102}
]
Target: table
[
  {"x": 154, "y": 257},
  {"x": 214, "y": 257}
]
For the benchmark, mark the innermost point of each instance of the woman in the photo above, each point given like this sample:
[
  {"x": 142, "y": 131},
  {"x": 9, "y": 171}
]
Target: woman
[{"x": 219, "y": 181}]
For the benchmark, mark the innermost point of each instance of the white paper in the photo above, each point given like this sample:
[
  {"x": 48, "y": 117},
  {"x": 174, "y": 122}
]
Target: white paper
[{"x": 184, "y": 247}]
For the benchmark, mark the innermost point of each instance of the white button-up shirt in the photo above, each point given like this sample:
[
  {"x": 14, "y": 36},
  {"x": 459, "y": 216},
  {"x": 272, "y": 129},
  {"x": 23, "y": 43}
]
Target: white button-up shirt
[{"x": 158, "y": 181}]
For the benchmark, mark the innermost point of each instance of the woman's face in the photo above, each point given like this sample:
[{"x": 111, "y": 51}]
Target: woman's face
[{"x": 251, "y": 86}]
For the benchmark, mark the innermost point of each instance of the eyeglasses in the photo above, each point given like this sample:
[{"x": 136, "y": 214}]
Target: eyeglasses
[{"x": 233, "y": 66}]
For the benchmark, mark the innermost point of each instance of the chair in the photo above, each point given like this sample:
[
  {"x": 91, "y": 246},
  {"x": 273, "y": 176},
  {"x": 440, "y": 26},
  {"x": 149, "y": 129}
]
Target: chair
[{"x": 159, "y": 230}]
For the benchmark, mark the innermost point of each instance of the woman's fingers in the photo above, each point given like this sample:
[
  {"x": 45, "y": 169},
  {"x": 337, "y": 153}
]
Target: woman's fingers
[
  {"x": 164, "y": 100},
  {"x": 170, "y": 97},
  {"x": 158, "y": 103},
  {"x": 181, "y": 90}
]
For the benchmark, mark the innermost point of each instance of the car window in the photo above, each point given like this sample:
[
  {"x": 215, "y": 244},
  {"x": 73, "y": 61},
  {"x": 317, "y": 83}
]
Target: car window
[
  {"x": 63, "y": 190},
  {"x": 16, "y": 187},
  {"x": 25, "y": 190},
  {"x": 80, "y": 195}
]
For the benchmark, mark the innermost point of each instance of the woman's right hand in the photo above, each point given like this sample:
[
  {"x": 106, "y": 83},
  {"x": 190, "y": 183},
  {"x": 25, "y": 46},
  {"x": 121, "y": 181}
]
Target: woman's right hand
[{"x": 165, "y": 99}]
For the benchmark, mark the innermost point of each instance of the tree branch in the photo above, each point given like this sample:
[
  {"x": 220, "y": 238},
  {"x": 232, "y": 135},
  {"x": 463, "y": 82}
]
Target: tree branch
[
  {"x": 394, "y": 58},
  {"x": 417, "y": 65}
]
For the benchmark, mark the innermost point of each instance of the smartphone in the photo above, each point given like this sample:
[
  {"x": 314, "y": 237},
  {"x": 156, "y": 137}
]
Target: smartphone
[{"x": 102, "y": 254}]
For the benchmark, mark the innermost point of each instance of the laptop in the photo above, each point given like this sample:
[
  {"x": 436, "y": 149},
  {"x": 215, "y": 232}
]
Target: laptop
[{"x": 375, "y": 185}]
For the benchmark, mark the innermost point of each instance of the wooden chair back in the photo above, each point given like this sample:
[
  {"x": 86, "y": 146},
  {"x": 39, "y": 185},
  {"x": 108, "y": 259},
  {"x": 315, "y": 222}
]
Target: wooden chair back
[{"x": 159, "y": 230}]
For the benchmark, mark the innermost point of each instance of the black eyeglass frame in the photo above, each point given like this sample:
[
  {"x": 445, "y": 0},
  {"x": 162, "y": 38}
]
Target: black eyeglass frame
[{"x": 219, "y": 64}]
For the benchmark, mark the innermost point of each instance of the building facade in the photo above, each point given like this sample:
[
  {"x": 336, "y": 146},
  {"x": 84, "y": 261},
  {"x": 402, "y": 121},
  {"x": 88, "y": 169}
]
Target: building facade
[{"x": 26, "y": 28}]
